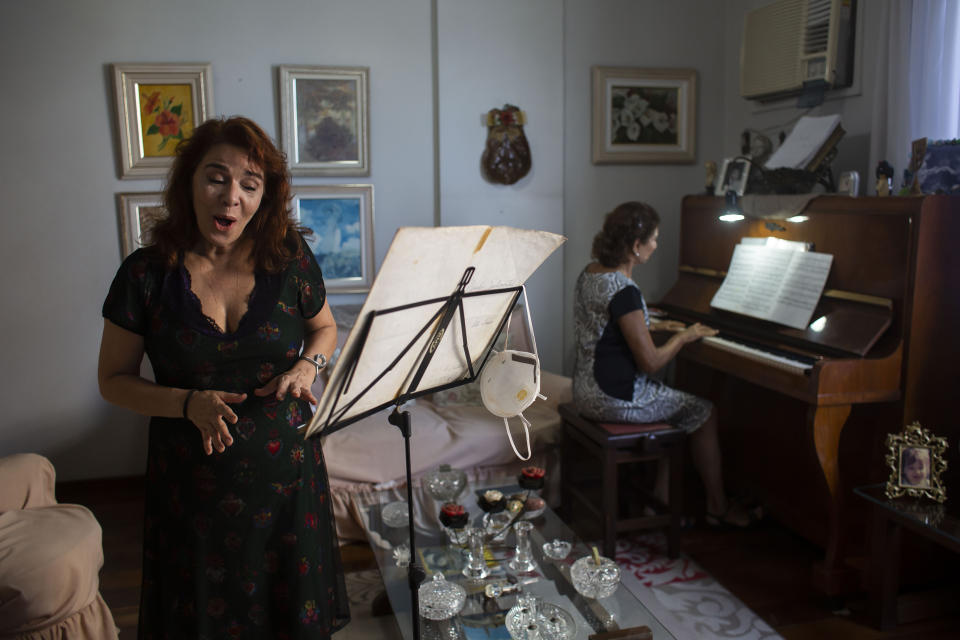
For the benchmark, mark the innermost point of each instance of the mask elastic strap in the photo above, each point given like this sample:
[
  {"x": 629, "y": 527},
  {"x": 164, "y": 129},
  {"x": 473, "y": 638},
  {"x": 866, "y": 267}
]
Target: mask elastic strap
[
  {"x": 530, "y": 334},
  {"x": 526, "y": 430}
]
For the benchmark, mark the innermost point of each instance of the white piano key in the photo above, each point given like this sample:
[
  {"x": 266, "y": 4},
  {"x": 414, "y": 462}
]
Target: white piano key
[{"x": 752, "y": 353}]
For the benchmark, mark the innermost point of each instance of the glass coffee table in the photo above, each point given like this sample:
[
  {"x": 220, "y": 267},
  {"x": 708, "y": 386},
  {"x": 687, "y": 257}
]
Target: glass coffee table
[{"x": 490, "y": 599}]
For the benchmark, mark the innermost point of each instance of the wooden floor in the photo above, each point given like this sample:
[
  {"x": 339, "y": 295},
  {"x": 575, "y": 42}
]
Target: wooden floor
[{"x": 768, "y": 568}]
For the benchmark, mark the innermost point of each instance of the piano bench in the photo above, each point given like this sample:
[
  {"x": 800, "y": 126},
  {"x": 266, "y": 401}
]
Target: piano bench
[{"x": 600, "y": 473}]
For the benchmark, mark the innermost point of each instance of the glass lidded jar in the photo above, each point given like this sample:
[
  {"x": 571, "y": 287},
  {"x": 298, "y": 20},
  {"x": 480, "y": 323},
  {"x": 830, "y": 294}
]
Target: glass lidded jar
[
  {"x": 445, "y": 483},
  {"x": 595, "y": 576},
  {"x": 440, "y": 599}
]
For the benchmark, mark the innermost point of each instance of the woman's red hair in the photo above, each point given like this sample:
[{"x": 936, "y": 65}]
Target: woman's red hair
[{"x": 272, "y": 229}]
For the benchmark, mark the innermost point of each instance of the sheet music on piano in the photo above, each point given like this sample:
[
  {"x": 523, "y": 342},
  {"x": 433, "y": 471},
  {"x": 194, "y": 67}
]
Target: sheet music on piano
[{"x": 778, "y": 284}]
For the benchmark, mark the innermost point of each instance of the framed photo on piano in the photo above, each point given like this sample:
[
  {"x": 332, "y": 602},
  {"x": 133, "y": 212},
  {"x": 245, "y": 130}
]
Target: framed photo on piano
[
  {"x": 916, "y": 460},
  {"x": 733, "y": 176}
]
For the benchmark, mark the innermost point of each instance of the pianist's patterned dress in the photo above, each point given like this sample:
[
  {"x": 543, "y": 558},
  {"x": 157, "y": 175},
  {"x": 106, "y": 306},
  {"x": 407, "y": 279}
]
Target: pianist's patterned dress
[
  {"x": 239, "y": 544},
  {"x": 607, "y": 385}
]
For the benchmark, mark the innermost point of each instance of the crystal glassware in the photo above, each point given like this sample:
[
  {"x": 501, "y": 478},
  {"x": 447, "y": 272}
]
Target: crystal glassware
[
  {"x": 401, "y": 555},
  {"x": 595, "y": 576},
  {"x": 476, "y": 567},
  {"x": 533, "y": 619},
  {"x": 445, "y": 483},
  {"x": 522, "y": 560},
  {"x": 440, "y": 599},
  {"x": 557, "y": 549}
]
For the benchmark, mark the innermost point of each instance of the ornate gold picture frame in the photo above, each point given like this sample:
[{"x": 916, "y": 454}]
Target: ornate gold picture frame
[{"x": 916, "y": 460}]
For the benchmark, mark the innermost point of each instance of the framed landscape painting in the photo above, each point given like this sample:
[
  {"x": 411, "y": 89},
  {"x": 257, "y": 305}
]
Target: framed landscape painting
[
  {"x": 324, "y": 120},
  {"x": 138, "y": 213},
  {"x": 158, "y": 105},
  {"x": 341, "y": 218},
  {"x": 644, "y": 115}
]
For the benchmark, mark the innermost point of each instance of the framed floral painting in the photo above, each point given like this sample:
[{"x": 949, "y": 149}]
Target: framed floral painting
[
  {"x": 644, "y": 115},
  {"x": 138, "y": 213},
  {"x": 341, "y": 218},
  {"x": 324, "y": 120},
  {"x": 158, "y": 105}
]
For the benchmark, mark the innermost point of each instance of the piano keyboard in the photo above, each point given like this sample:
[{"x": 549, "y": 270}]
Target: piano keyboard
[{"x": 792, "y": 363}]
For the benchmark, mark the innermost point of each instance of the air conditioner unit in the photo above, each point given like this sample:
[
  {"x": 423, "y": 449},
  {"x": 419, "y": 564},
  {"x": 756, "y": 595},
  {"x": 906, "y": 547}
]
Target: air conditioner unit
[{"x": 791, "y": 45}]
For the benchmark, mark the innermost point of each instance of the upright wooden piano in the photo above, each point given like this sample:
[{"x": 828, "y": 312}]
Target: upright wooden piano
[{"x": 804, "y": 414}]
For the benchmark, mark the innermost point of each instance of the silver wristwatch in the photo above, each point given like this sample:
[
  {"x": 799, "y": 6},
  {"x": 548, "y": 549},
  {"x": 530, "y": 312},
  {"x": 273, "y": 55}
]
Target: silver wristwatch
[{"x": 318, "y": 360}]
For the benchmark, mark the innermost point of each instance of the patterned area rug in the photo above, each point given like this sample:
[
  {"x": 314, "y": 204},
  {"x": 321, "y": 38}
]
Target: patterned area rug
[
  {"x": 679, "y": 593},
  {"x": 682, "y": 596}
]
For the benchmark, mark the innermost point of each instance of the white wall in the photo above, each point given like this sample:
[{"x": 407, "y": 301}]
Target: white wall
[
  {"x": 677, "y": 34},
  {"x": 58, "y": 229},
  {"x": 492, "y": 53}
]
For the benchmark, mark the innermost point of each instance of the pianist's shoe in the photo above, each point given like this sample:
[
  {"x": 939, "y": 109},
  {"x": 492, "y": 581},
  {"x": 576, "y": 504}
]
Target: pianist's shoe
[{"x": 735, "y": 517}]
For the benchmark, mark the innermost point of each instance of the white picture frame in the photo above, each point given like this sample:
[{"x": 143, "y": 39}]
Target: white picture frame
[
  {"x": 157, "y": 105},
  {"x": 138, "y": 212},
  {"x": 644, "y": 115},
  {"x": 341, "y": 218},
  {"x": 733, "y": 176},
  {"x": 324, "y": 120}
]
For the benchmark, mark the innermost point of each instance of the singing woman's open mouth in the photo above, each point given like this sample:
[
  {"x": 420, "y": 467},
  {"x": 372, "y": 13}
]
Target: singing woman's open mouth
[{"x": 223, "y": 223}]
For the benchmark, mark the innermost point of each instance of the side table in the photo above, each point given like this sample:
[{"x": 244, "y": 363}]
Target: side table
[{"x": 928, "y": 519}]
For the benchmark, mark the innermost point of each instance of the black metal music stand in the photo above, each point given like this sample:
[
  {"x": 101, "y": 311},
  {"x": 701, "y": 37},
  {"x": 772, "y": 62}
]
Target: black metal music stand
[
  {"x": 406, "y": 343},
  {"x": 440, "y": 321}
]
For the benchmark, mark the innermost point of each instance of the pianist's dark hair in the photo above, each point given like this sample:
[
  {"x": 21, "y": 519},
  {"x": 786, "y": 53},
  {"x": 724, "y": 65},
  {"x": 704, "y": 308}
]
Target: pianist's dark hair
[{"x": 629, "y": 222}]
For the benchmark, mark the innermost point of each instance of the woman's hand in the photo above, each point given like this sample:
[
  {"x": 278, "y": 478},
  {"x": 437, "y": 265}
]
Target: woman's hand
[
  {"x": 209, "y": 412},
  {"x": 696, "y": 331},
  {"x": 296, "y": 381},
  {"x": 667, "y": 325}
]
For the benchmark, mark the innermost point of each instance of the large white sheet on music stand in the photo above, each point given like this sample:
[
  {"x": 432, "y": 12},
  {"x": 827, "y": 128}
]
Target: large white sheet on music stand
[{"x": 425, "y": 263}]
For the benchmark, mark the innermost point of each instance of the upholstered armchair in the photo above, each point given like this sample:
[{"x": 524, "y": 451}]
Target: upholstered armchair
[{"x": 50, "y": 559}]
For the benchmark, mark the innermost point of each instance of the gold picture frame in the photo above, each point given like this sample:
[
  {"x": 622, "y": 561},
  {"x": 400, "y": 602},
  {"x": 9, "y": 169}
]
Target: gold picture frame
[
  {"x": 157, "y": 106},
  {"x": 644, "y": 116},
  {"x": 916, "y": 460}
]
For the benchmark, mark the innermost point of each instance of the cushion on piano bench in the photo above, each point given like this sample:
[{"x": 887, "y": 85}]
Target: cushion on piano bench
[{"x": 618, "y": 434}]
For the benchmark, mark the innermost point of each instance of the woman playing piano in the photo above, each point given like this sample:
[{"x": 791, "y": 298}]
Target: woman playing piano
[{"x": 616, "y": 356}]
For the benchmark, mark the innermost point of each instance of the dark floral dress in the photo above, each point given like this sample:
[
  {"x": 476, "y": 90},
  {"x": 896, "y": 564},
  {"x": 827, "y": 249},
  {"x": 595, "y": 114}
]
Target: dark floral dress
[{"x": 240, "y": 544}]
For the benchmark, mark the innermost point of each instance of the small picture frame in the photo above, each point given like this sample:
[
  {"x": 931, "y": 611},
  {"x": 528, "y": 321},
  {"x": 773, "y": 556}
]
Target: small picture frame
[
  {"x": 644, "y": 115},
  {"x": 848, "y": 184},
  {"x": 916, "y": 460},
  {"x": 341, "y": 218},
  {"x": 138, "y": 213},
  {"x": 733, "y": 176},
  {"x": 324, "y": 120},
  {"x": 157, "y": 106}
]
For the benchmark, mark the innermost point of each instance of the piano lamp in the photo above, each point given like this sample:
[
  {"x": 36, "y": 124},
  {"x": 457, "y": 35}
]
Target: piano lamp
[{"x": 731, "y": 209}]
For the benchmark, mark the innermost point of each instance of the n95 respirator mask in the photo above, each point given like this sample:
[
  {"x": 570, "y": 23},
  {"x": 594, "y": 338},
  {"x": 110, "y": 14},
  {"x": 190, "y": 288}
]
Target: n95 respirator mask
[{"x": 510, "y": 382}]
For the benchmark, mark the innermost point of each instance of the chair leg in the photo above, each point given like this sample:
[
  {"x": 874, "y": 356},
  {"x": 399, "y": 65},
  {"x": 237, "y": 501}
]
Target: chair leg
[
  {"x": 611, "y": 503},
  {"x": 676, "y": 499}
]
